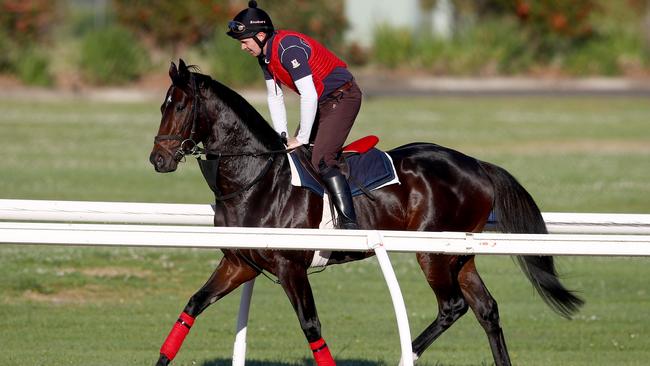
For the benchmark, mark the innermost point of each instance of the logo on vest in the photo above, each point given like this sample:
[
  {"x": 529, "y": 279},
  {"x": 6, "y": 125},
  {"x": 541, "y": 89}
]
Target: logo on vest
[{"x": 295, "y": 63}]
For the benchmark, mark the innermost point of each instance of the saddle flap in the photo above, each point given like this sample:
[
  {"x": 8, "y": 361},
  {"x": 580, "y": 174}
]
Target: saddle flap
[
  {"x": 368, "y": 171},
  {"x": 361, "y": 145}
]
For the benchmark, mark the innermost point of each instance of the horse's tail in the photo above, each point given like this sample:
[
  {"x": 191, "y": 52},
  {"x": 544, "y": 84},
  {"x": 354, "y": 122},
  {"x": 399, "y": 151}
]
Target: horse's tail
[{"x": 516, "y": 212}]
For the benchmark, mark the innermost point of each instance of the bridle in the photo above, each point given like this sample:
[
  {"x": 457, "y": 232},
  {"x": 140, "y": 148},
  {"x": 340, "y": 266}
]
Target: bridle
[{"x": 189, "y": 146}]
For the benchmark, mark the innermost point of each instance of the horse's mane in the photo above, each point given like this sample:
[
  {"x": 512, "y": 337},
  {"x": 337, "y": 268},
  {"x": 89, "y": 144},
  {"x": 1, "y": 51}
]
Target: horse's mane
[{"x": 248, "y": 115}]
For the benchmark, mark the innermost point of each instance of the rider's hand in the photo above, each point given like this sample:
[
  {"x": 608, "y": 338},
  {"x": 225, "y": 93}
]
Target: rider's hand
[{"x": 293, "y": 143}]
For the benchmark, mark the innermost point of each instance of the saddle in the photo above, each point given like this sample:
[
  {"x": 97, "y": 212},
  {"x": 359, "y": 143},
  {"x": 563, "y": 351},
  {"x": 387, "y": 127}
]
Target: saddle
[{"x": 365, "y": 167}]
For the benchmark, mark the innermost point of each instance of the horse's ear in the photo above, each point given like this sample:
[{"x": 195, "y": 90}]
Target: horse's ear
[
  {"x": 183, "y": 72},
  {"x": 173, "y": 72}
]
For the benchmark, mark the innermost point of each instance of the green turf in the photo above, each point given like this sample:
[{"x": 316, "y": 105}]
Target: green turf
[{"x": 102, "y": 306}]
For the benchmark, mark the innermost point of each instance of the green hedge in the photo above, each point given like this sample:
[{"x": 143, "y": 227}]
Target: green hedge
[
  {"x": 112, "y": 56},
  {"x": 33, "y": 67},
  {"x": 173, "y": 26},
  {"x": 492, "y": 47},
  {"x": 5, "y": 51},
  {"x": 502, "y": 46},
  {"x": 26, "y": 61},
  {"x": 230, "y": 65}
]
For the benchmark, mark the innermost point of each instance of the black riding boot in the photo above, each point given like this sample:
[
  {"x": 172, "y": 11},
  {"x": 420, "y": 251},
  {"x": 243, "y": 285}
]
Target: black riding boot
[{"x": 340, "y": 194}]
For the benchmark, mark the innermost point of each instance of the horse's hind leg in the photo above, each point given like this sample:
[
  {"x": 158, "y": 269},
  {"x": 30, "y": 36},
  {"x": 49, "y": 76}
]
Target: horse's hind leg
[
  {"x": 485, "y": 308},
  {"x": 229, "y": 274},
  {"x": 440, "y": 272},
  {"x": 294, "y": 281}
]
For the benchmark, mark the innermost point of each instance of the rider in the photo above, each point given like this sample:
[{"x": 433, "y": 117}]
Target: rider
[{"x": 329, "y": 97}]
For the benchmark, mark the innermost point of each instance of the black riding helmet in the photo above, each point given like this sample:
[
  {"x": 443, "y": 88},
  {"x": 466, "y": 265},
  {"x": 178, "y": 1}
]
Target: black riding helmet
[{"x": 249, "y": 22}]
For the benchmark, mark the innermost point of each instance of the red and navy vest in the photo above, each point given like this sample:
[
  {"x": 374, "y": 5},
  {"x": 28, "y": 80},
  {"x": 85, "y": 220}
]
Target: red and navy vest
[{"x": 321, "y": 61}]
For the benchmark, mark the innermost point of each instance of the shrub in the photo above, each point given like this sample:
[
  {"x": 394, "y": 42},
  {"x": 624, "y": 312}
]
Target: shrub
[
  {"x": 28, "y": 20},
  {"x": 490, "y": 47},
  {"x": 607, "y": 54},
  {"x": 26, "y": 25},
  {"x": 393, "y": 47},
  {"x": 5, "y": 52},
  {"x": 552, "y": 26},
  {"x": 229, "y": 64},
  {"x": 521, "y": 36},
  {"x": 171, "y": 23},
  {"x": 112, "y": 56},
  {"x": 355, "y": 54},
  {"x": 323, "y": 20},
  {"x": 33, "y": 68}
]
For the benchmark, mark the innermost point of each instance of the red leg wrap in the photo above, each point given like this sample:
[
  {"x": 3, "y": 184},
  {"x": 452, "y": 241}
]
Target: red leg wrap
[
  {"x": 177, "y": 336},
  {"x": 322, "y": 353}
]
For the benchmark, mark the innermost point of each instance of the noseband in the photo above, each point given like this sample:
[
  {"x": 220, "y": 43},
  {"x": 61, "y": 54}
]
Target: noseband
[{"x": 188, "y": 146}]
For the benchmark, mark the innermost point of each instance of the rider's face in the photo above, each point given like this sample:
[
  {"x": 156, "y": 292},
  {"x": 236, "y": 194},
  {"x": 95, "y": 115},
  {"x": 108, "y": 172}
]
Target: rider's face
[{"x": 249, "y": 45}]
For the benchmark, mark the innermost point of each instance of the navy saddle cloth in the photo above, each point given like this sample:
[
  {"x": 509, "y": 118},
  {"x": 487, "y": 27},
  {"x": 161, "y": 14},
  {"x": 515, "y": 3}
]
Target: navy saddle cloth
[{"x": 372, "y": 170}]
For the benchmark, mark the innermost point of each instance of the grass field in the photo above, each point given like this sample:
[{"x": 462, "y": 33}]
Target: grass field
[{"x": 102, "y": 306}]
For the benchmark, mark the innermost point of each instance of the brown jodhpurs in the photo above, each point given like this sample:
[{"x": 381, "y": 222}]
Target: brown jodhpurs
[{"x": 334, "y": 120}]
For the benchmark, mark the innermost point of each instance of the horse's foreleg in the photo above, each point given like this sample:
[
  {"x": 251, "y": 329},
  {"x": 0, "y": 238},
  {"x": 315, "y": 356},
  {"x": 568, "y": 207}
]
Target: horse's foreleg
[
  {"x": 440, "y": 274},
  {"x": 229, "y": 274},
  {"x": 295, "y": 283},
  {"x": 486, "y": 311}
]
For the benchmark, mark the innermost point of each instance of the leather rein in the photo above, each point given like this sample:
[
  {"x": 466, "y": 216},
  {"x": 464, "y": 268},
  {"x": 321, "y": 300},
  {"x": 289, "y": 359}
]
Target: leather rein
[{"x": 190, "y": 147}]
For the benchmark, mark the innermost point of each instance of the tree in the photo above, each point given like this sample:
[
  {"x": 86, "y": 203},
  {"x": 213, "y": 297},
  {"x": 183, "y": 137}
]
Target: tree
[
  {"x": 27, "y": 21},
  {"x": 172, "y": 24}
]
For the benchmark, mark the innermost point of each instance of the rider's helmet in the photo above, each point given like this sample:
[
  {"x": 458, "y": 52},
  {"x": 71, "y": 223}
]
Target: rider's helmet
[{"x": 249, "y": 22}]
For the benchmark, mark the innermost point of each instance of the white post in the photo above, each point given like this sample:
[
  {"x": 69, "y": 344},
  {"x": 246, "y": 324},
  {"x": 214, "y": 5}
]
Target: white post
[
  {"x": 375, "y": 242},
  {"x": 239, "y": 350}
]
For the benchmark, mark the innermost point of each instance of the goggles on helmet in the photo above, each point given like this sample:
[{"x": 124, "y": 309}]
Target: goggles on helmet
[{"x": 236, "y": 27}]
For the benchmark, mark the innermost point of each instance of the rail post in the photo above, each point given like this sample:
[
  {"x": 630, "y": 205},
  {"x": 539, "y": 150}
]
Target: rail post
[
  {"x": 375, "y": 242},
  {"x": 239, "y": 350}
]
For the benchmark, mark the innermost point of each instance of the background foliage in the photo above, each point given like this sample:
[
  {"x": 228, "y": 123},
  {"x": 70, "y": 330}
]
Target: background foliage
[
  {"x": 112, "y": 55},
  {"x": 505, "y": 37},
  {"x": 172, "y": 24},
  {"x": 23, "y": 26},
  {"x": 490, "y": 37},
  {"x": 200, "y": 24}
]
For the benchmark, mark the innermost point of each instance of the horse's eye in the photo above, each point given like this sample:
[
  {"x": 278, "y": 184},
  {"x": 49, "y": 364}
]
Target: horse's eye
[{"x": 180, "y": 107}]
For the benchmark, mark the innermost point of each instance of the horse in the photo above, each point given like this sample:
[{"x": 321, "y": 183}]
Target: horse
[{"x": 441, "y": 190}]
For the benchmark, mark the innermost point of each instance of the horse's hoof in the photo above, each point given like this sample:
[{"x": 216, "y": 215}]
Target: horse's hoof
[{"x": 163, "y": 361}]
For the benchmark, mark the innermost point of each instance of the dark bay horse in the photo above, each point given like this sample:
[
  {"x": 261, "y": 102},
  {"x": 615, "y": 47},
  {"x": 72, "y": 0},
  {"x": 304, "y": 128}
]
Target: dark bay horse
[{"x": 441, "y": 190}]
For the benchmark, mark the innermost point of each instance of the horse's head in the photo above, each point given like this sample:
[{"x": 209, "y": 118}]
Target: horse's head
[{"x": 176, "y": 135}]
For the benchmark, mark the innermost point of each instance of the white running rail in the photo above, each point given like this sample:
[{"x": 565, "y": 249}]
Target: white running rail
[
  {"x": 159, "y": 225},
  {"x": 197, "y": 214}
]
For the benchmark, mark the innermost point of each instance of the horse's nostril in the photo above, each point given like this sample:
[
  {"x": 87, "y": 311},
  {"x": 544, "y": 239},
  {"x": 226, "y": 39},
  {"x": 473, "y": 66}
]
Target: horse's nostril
[
  {"x": 156, "y": 160},
  {"x": 160, "y": 161}
]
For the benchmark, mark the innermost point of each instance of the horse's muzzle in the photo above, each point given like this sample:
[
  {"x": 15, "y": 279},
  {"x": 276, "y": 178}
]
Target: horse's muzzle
[{"x": 162, "y": 162}]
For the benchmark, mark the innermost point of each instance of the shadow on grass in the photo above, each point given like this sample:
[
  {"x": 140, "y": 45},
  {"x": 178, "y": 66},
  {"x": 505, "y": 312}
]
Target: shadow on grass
[
  {"x": 304, "y": 362},
  {"x": 310, "y": 362}
]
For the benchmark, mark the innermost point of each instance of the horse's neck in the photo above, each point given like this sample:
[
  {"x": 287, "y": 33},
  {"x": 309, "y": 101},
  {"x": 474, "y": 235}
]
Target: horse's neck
[
  {"x": 235, "y": 125},
  {"x": 236, "y": 128}
]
